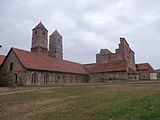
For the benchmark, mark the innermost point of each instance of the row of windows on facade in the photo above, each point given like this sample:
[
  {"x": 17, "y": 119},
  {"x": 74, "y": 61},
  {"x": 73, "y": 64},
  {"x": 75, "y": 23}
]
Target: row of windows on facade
[
  {"x": 46, "y": 76},
  {"x": 34, "y": 78}
]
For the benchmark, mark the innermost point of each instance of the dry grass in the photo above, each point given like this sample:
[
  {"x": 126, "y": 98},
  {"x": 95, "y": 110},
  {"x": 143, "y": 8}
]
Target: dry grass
[{"x": 89, "y": 102}]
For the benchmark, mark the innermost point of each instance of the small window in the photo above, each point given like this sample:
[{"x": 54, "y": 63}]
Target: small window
[
  {"x": 59, "y": 40},
  {"x": 43, "y": 33},
  {"x": 34, "y": 78},
  {"x": 64, "y": 76},
  {"x": 46, "y": 78},
  {"x": 16, "y": 78},
  {"x": 11, "y": 67},
  {"x": 144, "y": 76}
]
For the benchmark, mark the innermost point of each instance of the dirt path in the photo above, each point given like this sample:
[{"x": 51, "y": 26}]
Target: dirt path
[{"x": 21, "y": 90}]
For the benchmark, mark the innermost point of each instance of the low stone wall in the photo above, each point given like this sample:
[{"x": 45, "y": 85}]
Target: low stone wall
[{"x": 105, "y": 77}]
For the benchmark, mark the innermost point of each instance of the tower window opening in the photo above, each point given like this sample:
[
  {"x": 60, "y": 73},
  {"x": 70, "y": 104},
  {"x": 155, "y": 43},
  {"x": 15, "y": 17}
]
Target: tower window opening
[
  {"x": 11, "y": 67},
  {"x": 59, "y": 40},
  {"x": 43, "y": 33}
]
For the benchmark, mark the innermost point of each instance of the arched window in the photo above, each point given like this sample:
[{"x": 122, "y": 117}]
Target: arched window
[
  {"x": 11, "y": 67},
  {"x": 34, "y": 78},
  {"x": 46, "y": 78},
  {"x": 58, "y": 77},
  {"x": 15, "y": 78}
]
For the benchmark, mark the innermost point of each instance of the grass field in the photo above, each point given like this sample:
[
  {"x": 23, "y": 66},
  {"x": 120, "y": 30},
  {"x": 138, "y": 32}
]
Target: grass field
[{"x": 90, "y": 102}]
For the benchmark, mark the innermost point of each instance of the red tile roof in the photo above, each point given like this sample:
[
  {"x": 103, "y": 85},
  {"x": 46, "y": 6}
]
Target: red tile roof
[
  {"x": 144, "y": 67},
  {"x": 110, "y": 67},
  {"x": 2, "y": 57},
  {"x": 132, "y": 72},
  {"x": 43, "y": 62}
]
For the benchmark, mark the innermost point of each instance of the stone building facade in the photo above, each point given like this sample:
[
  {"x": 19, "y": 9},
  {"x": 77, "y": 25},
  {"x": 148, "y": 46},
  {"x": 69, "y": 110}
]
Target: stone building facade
[{"x": 26, "y": 68}]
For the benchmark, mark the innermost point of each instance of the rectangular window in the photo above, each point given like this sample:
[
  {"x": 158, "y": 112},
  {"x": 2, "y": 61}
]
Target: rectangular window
[{"x": 11, "y": 67}]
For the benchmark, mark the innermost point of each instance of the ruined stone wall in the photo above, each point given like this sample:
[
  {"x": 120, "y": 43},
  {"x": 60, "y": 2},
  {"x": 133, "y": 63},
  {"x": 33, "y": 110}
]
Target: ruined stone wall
[
  {"x": 105, "y": 77},
  {"x": 123, "y": 53},
  {"x": 107, "y": 58},
  {"x": 127, "y": 53}
]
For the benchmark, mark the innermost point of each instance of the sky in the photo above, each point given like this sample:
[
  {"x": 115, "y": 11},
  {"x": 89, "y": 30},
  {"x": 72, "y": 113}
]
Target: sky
[{"x": 86, "y": 26}]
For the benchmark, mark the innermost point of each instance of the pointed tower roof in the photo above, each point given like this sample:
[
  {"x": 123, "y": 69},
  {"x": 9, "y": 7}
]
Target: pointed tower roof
[
  {"x": 55, "y": 33},
  {"x": 40, "y": 25}
]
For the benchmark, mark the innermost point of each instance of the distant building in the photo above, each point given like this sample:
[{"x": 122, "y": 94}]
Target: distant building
[
  {"x": 146, "y": 72},
  {"x": 158, "y": 74},
  {"x": 43, "y": 66}
]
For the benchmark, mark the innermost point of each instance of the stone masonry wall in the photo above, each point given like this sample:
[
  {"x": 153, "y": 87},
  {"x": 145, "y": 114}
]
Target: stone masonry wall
[
  {"x": 123, "y": 53},
  {"x": 105, "y": 77},
  {"x": 6, "y": 74},
  {"x": 40, "y": 78}
]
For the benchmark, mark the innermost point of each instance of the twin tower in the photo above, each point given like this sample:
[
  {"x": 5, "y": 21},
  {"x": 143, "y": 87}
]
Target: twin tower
[{"x": 40, "y": 42}]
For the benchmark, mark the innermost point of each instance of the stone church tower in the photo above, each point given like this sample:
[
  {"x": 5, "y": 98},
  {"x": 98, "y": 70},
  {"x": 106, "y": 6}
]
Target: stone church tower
[
  {"x": 40, "y": 39},
  {"x": 55, "y": 45}
]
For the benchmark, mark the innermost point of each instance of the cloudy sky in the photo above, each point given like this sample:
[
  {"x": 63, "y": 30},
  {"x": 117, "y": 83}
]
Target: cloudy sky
[{"x": 86, "y": 26}]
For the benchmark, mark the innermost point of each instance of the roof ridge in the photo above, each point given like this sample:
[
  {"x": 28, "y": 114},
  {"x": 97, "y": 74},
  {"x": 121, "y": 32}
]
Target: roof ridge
[{"x": 47, "y": 56}]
